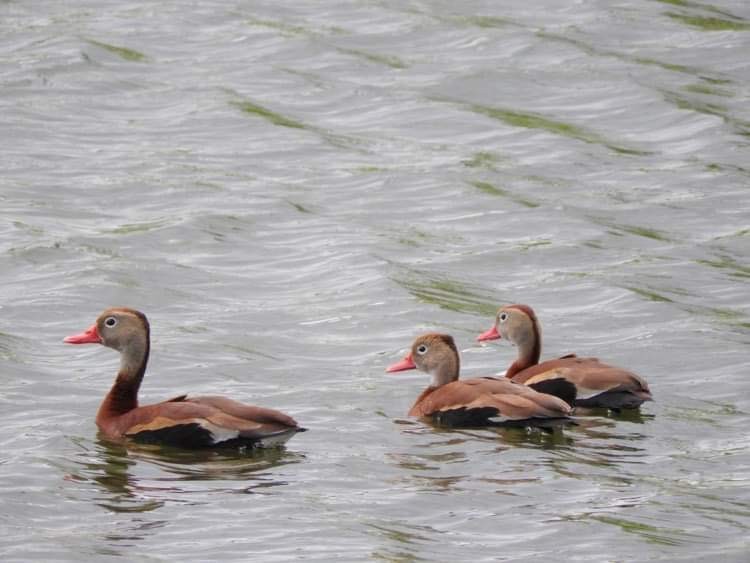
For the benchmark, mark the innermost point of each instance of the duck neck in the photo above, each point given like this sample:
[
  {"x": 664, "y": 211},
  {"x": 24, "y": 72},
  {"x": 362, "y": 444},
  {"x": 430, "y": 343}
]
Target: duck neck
[
  {"x": 123, "y": 396},
  {"x": 529, "y": 352},
  {"x": 446, "y": 372}
]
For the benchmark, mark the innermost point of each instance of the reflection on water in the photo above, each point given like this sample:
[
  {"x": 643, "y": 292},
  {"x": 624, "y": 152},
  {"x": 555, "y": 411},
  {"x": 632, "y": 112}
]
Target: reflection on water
[
  {"x": 485, "y": 473},
  {"x": 442, "y": 458},
  {"x": 629, "y": 415},
  {"x": 137, "y": 478},
  {"x": 549, "y": 438}
]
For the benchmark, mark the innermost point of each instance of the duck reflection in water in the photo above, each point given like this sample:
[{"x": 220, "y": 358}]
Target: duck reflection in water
[{"x": 126, "y": 475}]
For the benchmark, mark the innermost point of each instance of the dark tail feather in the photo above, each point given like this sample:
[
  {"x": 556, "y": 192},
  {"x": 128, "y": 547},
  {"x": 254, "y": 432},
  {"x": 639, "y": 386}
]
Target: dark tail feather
[
  {"x": 559, "y": 387},
  {"x": 615, "y": 400}
]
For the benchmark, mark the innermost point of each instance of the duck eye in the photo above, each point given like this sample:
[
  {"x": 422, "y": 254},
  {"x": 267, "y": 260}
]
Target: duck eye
[
  {"x": 422, "y": 349},
  {"x": 503, "y": 317},
  {"x": 110, "y": 321}
]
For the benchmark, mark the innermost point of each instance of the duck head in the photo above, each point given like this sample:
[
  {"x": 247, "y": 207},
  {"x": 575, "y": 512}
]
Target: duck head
[{"x": 432, "y": 353}]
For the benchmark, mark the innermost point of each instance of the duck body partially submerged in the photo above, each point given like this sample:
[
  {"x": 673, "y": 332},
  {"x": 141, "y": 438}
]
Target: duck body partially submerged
[
  {"x": 477, "y": 401},
  {"x": 184, "y": 421},
  {"x": 598, "y": 385}
]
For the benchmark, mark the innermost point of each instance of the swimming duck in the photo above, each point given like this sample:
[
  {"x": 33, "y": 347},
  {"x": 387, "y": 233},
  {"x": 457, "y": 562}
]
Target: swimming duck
[
  {"x": 478, "y": 401},
  {"x": 187, "y": 422},
  {"x": 598, "y": 385}
]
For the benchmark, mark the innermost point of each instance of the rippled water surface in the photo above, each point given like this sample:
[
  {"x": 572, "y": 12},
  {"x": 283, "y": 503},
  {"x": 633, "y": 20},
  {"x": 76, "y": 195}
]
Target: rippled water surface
[{"x": 292, "y": 191}]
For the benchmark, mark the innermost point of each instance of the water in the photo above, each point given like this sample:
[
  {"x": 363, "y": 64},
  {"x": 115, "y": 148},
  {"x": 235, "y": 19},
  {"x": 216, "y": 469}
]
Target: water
[{"x": 293, "y": 192}]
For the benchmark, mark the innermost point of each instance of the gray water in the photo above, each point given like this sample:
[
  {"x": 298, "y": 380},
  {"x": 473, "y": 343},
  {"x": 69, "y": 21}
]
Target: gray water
[{"x": 293, "y": 191}]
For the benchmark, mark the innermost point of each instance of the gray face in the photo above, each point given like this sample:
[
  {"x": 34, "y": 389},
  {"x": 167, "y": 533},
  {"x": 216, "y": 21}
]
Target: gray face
[
  {"x": 515, "y": 326},
  {"x": 436, "y": 355},
  {"x": 119, "y": 329}
]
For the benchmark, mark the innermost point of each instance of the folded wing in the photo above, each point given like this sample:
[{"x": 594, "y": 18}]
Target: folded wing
[
  {"x": 489, "y": 398},
  {"x": 207, "y": 422},
  {"x": 597, "y": 383}
]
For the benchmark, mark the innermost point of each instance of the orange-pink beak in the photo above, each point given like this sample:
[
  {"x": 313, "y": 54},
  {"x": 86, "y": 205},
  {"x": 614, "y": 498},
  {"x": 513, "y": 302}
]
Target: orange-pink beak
[
  {"x": 491, "y": 334},
  {"x": 90, "y": 336},
  {"x": 403, "y": 365}
]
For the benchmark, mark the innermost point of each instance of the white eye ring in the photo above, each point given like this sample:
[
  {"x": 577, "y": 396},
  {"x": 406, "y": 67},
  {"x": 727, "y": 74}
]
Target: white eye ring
[
  {"x": 422, "y": 350},
  {"x": 110, "y": 322},
  {"x": 503, "y": 317}
]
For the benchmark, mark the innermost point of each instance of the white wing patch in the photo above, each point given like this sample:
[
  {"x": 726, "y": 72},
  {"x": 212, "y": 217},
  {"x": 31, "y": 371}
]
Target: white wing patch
[
  {"x": 276, "y": 440},
  {"x": 584, "y": 393},
  {"x": 220, "y": 434}
]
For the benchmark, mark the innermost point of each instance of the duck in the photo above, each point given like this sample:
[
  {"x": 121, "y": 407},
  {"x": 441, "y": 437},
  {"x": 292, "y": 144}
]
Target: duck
[
  {"x": 481, "y": 401},
  {"x": 598, "y": 385},
  {"x": 183, "y": 421}
]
